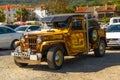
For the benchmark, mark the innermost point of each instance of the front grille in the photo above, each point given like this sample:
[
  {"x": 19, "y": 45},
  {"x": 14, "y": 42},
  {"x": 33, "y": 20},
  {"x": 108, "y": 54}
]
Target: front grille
[{"x": 32, "y": 42}]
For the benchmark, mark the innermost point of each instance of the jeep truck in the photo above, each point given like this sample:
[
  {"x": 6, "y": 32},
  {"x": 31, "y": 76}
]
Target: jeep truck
[{"x": 64, "y": 35}]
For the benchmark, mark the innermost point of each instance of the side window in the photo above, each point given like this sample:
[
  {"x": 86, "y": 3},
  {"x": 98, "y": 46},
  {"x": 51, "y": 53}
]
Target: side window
[
  {"x": 4, "y": 30},
  {"x": 115, "y": 21},
  {"x": 33, "y": 28},
  {"x": 1, "y": 30},
  {"x": 63, "y": 24},
  {"x": 119, "y": 20},
  {"x": 77, "y": 24}
]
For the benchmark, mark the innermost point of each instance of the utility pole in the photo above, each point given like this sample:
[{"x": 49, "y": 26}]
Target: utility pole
[
  {"x": 6, "y": 12},
  {"x": 21, "y": 14}
]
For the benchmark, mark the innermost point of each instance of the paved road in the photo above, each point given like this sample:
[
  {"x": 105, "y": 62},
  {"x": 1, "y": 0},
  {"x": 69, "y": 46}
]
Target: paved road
[{"x": 80, "y": 68}]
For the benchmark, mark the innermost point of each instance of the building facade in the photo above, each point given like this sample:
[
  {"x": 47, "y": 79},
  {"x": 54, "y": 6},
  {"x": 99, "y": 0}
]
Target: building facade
[
  {"x": 99, "y": 12},
  {"x": 40, "y": 11},
  {"x": 34, "y": 11}
]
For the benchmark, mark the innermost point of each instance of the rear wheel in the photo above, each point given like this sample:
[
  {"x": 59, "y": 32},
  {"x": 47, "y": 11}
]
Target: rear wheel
[
  {"x": 100, "y": 51},
  {"x": 55, "y": 57}
]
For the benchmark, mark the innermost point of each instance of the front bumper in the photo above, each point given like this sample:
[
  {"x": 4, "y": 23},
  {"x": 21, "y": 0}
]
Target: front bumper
[
  {"x": 113, "y": 43},
  {"x": 24, "y": 57}
]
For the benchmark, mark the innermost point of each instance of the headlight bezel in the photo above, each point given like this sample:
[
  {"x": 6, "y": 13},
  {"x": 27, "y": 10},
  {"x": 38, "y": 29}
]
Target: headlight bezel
[
  {"x": 39, "y": 39},
  {"x": 22, "y": 39}
]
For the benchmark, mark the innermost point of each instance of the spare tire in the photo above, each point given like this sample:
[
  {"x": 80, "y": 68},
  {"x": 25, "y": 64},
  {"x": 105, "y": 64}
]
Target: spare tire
[{"x": 93, "y": 35}]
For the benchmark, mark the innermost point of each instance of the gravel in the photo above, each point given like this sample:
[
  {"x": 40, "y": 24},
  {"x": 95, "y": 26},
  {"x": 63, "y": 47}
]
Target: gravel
[{"x": 85, "y": 67}]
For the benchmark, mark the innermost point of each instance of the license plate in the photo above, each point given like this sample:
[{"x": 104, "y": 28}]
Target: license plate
[{"x": 33, "y": 57}]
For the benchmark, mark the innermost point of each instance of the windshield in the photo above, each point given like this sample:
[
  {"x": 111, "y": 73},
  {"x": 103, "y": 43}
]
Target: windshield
[
  {"x": 62, "y": 24},
  {"x": 21, "y": 28},
  {"x": 113, "y": 28}
]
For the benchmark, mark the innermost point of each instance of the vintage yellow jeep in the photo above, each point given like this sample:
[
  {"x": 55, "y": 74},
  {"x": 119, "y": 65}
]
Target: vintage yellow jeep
[{"x": 65, "y": 34}]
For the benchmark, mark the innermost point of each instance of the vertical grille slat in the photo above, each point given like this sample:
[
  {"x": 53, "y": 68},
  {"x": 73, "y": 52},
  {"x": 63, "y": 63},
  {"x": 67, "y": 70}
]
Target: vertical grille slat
[{"x": 32, "y": 42}]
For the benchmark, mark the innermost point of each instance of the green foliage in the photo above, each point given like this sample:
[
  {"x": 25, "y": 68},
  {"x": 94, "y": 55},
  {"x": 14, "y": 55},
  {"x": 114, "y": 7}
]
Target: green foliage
[
  {"x": 21, "y": 14},
  {"x": 2, "y": 16},
  {"x": 70, "y": 8},
  {"x": 57, "y": 6},
  {"x": 70, "y": 2},
  {"x": 105, "y": 20},
  {"x": 94, "y": 3},
  {"x": 60, "y": 6},
  {"x": 25, "y": 2},
  {"x": 117, "y": 2},
  {"x": 35, "y": 2}
]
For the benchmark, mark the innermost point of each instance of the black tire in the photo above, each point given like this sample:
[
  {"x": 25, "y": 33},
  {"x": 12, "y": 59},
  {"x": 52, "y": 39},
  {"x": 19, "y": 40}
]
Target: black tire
[
  {"x": 13, "y": 46},
  {"x": 100, "y": 51},
  {"x": 20, "y": 64},
  {"x": 93, "y": 35},
  {"x": 55, "y": 57}
]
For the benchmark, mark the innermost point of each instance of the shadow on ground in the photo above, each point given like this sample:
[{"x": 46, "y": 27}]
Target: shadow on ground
[
  {"x": 5, "y": 52},
  {"x": 86, "y": 63}
]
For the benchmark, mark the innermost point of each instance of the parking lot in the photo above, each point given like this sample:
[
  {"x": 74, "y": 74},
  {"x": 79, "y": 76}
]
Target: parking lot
[{"x": 84, "y": 67}]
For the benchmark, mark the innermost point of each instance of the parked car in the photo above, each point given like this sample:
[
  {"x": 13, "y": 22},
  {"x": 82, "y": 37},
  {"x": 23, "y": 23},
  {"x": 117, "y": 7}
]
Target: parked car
[
  {"x": 27, "y": 28},
  {"x": 19, "y": 23},
  {"x": 113, "y": 35},
  {"x": 13, "y": 26},
  {"x": 33, "y": 23},
  {"x": 8, "y": 37},
  {"x": 67, "y": 36},
  {"x": 114, "y": 20}
]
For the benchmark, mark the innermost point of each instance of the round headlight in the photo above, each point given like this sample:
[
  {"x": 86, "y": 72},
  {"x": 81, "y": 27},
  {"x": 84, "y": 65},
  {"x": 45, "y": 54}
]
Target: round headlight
[
  {"x": 39, "y": 39},
  {"x": 22, "y": 39},
  {"x": 29, "y": 50},
  {"x": 19, "y": 49}
]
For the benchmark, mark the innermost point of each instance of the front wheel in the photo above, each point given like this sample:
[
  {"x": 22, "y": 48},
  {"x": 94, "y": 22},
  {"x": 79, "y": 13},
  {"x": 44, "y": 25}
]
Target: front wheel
[
  {"x": 100, "y": 51},
  {"x": 55, "y": 57}
]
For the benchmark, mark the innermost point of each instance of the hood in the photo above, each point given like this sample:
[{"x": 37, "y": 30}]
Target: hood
[
  {"x": 20, "y": 31},
  {"x": 112, "y": 35},
  {"x": 48, "y": 32}
]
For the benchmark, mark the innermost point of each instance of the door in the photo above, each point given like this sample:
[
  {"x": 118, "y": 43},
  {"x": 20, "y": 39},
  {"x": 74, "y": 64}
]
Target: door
[
  {"x": 78, "y": 35},
  {"x": 6, "y": 37}
]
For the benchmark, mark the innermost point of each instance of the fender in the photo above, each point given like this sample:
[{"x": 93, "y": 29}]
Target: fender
[{"x": 49, "y": 43}]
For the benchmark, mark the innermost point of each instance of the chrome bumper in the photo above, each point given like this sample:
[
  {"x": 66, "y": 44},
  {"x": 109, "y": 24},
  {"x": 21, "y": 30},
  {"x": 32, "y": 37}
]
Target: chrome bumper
[
  {"x": 113, "y": 43},
  {"x": 25, "y": 57}
]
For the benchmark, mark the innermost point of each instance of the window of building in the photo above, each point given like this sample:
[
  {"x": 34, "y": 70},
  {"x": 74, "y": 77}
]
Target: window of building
[
  {"x": 109, "y": 14},
  {"x": 100, "y": 15}
]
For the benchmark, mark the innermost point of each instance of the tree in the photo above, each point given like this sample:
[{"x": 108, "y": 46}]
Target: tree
[
  {"x": 105, "y": 19},
  {"x": 2, "y": 16},
  {"x": 117, "y": 2},
  {"x": 70, "y": 8},
  {"x": 57, "y": 6},
  {"x": 21, "y": 14}
]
